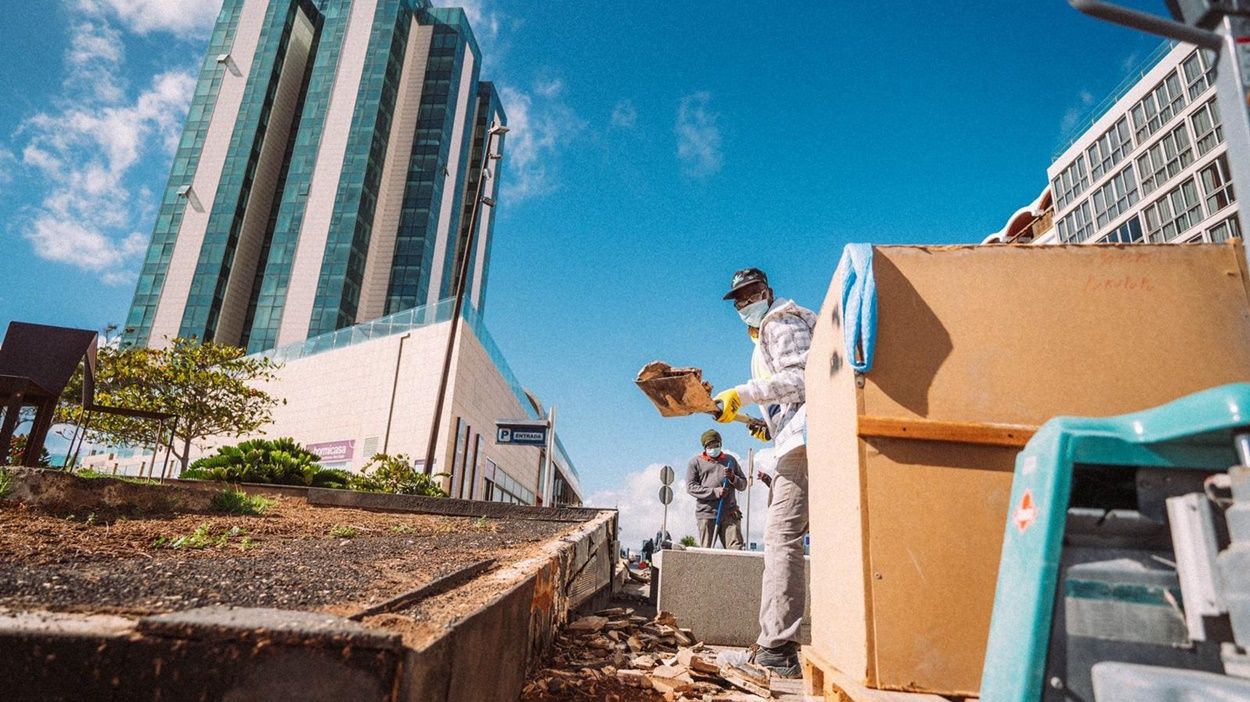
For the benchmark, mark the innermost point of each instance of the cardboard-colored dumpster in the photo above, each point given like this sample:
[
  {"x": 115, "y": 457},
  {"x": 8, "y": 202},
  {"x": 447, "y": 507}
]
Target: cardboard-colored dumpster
[{"x": 907, "y": 526}]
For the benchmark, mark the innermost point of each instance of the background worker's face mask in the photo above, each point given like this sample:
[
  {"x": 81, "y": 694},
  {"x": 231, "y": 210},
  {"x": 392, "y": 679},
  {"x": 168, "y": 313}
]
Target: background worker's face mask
[
  {"x": 714, "y": 452},
  {"x": 754, "y": 313}
]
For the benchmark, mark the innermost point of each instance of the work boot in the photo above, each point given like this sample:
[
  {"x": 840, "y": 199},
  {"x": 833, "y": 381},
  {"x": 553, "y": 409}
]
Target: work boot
[{"x": 782, "y": 661}]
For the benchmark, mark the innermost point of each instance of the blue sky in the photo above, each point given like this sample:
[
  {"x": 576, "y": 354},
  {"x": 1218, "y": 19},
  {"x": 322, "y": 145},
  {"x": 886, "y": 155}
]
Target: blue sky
[{"x": 656, "y": 148}]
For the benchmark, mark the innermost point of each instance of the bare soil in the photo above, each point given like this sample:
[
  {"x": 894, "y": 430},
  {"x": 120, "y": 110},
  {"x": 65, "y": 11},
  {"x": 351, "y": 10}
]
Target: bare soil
[{"x": 294, "y": 556}]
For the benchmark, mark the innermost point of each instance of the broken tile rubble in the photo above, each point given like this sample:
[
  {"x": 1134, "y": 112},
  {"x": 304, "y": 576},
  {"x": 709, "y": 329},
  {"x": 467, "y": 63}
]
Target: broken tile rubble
[{"x": 617, "y": 656}]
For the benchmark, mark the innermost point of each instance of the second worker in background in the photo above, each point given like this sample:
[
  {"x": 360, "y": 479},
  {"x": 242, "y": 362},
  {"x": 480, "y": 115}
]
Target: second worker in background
[{"x": 714, "y": 478}]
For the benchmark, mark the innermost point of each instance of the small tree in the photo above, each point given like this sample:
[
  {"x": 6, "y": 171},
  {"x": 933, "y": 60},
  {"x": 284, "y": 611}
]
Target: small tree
[
  {"x": 688, "y": 541},
  {"x": 209, "y": 386}
]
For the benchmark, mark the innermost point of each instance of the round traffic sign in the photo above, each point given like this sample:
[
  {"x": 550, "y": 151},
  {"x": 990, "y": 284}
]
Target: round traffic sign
[
  {"x": 667, "y": 475},
  {"x": 666, "y": 494}
]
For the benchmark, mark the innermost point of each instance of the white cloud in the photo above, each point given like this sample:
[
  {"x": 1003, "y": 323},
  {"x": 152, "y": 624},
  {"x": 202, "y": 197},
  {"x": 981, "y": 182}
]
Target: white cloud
[
  {"x": 624, "y": 115},
  {"x": 698, "y": 136},
  {"x": 1073, "y": 114},
  {"x": 84, "y": 149},
  {"x": 641, "y": 513},
  {"x": 85, "y": 154},
  {"x": 69, "y": 241},
  {"x": 1130, "y": 62},
  {"x": 550, "y": 88},
  {"x": 540, "y": 125},
  {"x": 187, "y": 19},
  {"x": 486, "y": 23},
  {"x": 492, "y": 28},
  {"x": 94, "y": 61},
  {"x": 8, "y": 163}
]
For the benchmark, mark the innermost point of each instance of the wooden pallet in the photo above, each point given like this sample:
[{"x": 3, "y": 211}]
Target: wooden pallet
[{"x": 823, "y": 680}]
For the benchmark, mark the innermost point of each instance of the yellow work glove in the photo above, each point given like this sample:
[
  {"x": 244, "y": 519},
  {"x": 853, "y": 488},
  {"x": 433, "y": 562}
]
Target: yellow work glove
[
  {"x": 760, "y": 431},
  {"x": 729, "y": 404}
]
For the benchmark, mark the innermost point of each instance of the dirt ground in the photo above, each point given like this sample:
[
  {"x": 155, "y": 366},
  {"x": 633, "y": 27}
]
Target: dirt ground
[{"x": 294, "y": 556}]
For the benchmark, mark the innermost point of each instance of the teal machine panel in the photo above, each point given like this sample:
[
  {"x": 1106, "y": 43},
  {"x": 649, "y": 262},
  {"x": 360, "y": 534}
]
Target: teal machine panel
[{"x": 1125, "y": 604}]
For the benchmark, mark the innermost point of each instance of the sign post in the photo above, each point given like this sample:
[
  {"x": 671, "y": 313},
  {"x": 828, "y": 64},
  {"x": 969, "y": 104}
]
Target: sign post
[
  {"x": 533, "y": 432},
  {"x": 549, "y": 488},
  {"x": 666, "y": 496},
  {"x": 521, "y": 433},
  {"x": 750, "y": 484}
]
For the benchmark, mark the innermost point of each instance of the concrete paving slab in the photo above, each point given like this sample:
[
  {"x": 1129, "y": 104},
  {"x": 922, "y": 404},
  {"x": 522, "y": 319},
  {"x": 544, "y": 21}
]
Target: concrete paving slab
[{"x": 716, "y": 593}]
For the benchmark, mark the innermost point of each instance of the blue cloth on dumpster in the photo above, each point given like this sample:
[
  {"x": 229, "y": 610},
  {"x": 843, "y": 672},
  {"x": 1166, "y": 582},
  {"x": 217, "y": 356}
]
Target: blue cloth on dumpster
[{"x": 859, "y": 305}]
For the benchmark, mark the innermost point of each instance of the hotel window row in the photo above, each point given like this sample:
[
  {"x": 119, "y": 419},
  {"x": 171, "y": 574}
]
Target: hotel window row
[
  {"x": 1150, "y": 177},
  {"x": 1149, "y": 116}
]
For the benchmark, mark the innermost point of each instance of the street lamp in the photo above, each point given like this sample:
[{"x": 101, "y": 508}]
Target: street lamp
[{"x": 479, "y": 198}]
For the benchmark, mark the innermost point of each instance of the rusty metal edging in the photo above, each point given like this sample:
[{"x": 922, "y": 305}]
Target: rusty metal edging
[
  {"x": 437, "y": 587},
  {"x": 514, "y": 628}
]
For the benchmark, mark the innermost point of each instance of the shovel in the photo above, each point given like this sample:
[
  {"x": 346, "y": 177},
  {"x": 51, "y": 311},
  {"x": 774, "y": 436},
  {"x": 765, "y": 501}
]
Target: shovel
[
  {"x": 681, "y": 392},
  {"x": 719, "y": 507}
]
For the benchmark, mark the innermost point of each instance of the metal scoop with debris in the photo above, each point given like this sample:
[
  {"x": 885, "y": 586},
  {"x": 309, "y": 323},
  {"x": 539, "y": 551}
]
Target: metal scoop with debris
[{"x": 681, "y": 392}]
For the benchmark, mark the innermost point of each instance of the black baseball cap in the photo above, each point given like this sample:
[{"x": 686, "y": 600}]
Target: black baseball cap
[{"x": 743, "y": 278}]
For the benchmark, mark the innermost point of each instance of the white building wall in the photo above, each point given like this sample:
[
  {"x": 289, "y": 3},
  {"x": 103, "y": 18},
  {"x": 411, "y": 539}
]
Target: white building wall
[
  {"x": 186, "y": 254},
  {"x": 1183, "y": 118},
  {"x": 306, "y": 267},
  {"x": 353, "y": 394},
  {"x": 482, "y": 397},
  {"x": 377, "y": 276},
  {"x": 1144, "y": 85},
  {"x": 346, "y": 395}
]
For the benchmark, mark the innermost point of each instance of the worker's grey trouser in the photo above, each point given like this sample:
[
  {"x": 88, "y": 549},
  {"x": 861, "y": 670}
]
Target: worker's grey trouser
[
  {"x": 730, "y": 533},
  {"x": 783, "y": 595}
]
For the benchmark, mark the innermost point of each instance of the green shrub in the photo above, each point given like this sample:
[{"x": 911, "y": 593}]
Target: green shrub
[
  {"x": 342, "y": 531},
  {"x": 396, "y": 474},
  {"x": 271, "y": 461},
  {"x": 333, "y": 478},
  {"x": 205, "y": 536},
  {"x": 237, "y": 502},
  {"x": 93, "y": 475}
]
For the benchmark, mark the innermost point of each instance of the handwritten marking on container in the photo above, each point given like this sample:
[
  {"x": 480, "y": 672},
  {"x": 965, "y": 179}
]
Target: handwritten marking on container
[
  {"x": 1111, "y": 258},
  {"x": 1095, "y": 283}
]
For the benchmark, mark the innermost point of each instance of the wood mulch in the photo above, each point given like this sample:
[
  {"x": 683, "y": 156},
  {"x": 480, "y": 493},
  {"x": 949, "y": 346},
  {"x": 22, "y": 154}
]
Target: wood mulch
[{"x": 293, "y": 556}]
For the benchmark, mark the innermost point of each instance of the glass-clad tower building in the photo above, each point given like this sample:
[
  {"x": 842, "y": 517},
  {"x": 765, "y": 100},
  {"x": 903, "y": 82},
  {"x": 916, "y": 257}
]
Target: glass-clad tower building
[{"x": 325, "y": 175}]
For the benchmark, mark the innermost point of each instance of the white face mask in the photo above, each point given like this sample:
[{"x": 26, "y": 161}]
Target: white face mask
[
  {"x": 714, "y": 452},
  {"x": 754, "y": 313}
]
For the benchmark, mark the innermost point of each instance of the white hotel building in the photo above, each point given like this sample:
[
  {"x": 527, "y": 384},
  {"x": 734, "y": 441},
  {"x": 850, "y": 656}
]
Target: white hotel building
[{"x": 1148, "y": 165}]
